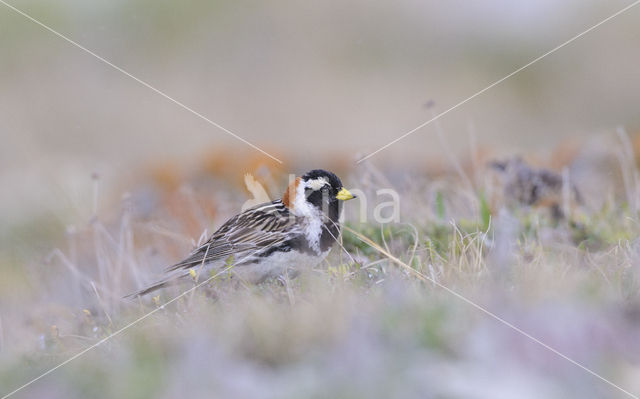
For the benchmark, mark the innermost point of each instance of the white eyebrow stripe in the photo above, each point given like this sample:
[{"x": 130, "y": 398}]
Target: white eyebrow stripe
[{"x": 317, "y": 184}]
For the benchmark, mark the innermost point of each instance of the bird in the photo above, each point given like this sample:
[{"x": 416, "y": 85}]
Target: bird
[
  {"x": 295, "y": 232},
  {"x": 524, "y": 185}
]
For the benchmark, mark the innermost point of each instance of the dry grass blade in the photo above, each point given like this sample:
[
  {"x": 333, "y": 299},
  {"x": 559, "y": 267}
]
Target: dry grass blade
[
  {"x": 424, "y": 278},
  {"x": 386, "y": 253}
]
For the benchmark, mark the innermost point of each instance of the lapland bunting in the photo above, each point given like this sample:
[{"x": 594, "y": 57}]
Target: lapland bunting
[{"x": 294, "y": 232}]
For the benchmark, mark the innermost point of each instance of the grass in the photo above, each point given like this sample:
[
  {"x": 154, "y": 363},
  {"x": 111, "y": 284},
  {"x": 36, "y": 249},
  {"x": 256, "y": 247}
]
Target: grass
[{"x": 372, "y": 321}]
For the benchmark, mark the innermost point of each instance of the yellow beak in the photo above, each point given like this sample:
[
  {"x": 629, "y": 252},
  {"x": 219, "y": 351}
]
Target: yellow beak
[{"x": 344, "y": 195}]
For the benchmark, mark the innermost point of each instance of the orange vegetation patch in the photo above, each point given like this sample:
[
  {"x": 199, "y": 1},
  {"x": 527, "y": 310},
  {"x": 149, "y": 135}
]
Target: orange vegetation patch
[
  {"x": 166, "y": 175},
  {"x": 231, "y": 165}
]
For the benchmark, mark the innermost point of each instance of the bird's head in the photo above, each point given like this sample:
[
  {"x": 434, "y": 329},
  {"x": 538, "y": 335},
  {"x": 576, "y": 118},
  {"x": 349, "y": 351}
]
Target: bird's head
[{"x": 315, "y": 190}]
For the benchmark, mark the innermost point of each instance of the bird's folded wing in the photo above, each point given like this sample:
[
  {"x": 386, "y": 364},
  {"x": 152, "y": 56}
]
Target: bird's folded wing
[{"x": 253, "y": 230}]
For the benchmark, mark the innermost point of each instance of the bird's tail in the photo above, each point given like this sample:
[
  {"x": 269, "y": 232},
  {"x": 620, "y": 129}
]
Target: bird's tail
[{"x": 167, "y": 282}]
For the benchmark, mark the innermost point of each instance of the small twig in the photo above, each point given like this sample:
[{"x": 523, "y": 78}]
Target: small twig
[
  {"x": 101, "y": 303},
  {"x": 415, "y": 243},
  {"x": 384, "y": 241},
  {"x": 339, "y": 242}
]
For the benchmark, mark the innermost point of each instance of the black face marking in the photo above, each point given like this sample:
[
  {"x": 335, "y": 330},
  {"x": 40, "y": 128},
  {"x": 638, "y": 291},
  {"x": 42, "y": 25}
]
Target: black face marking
[{"x": 324, "y": 197}]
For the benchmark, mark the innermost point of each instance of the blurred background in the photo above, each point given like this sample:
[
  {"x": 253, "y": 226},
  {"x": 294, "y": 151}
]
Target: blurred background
[
  {"x": 307, "y": 82},
  {"x": 105, "y": 181}
]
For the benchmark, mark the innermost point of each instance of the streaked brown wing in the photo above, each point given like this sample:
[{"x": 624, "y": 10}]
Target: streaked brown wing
[{"x": 263, "y": 226}]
